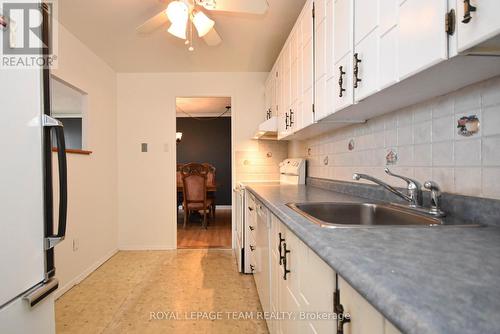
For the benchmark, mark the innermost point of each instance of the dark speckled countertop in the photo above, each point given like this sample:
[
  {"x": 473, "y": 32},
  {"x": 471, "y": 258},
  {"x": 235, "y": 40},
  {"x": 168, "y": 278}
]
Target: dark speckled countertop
[{"x": 423, "y": 280}]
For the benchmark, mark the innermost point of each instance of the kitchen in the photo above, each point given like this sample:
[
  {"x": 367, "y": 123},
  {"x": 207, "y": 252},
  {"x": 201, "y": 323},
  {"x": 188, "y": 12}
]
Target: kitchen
[{"x": 364, "y": 152}]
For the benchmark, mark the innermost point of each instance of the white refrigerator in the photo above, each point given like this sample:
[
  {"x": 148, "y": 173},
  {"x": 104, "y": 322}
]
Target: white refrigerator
[{"x": 27, "y": 227}]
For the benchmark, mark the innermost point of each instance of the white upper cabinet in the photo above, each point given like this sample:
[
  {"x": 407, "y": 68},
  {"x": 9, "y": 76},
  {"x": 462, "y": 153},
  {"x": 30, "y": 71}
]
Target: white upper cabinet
[
  {"x": 366, "y": 48},
  {"x": 323, "y": 65},
  {"x": 343, "y": 38},
  {"x": 422, "y": 39},
  {"x": 478, "y": 21},
  {"x": 388, "y": 45},
  {"x": 306, "y": 24}
]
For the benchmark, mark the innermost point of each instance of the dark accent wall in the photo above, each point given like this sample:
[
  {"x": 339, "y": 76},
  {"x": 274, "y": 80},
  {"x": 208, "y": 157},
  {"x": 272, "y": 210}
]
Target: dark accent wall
[
  {"x": 72, "y": 132},
  {"x": 208, "y": 141}
]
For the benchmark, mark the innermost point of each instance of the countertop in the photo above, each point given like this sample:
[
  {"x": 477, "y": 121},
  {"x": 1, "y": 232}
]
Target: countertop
[{"x": 423, "y": 280}]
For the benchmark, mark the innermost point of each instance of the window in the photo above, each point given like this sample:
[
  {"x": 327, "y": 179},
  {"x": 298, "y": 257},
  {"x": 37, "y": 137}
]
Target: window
[{"x": 68, "y": 104}]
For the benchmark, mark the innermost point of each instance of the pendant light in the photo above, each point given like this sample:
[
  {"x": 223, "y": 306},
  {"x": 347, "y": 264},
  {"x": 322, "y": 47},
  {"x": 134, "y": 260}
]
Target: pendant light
[
  {"x": 178, "y": 13},
  {"x": 202, "y": 23}
]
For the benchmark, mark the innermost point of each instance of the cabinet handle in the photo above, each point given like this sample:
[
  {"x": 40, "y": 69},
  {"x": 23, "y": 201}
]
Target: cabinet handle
[
  {"x": 468, "y": 8},
  {"x": 280, "y": 247},
  {"x": 356, "y": 70},
  {"x": 252, "y": 268},
  {"x": 291, "y": 117},
  {"x": 252, "y": 248},
  {"x": 286, "y": 121},
  {"x": 338, "y": 309},
  {"x": 341, "y": 81},
  {"x": 251, "y": 227},
  {"x": 250, "y": 208},
  {"x": 286, "y": 271}
]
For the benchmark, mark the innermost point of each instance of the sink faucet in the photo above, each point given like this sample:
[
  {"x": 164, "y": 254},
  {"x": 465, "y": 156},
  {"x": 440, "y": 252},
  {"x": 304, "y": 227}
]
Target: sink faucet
[{"x": 414, "y": 196}]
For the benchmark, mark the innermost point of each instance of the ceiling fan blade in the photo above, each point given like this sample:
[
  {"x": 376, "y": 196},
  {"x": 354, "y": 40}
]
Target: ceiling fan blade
[
  {"x": 153, "y": 23},
  {"x": 237, "y": 6},
  {"x": 212, "y": 38}
]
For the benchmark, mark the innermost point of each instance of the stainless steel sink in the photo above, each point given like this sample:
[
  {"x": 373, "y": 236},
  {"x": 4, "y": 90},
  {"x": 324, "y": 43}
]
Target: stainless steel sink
[{"x": 330, "y": 214}]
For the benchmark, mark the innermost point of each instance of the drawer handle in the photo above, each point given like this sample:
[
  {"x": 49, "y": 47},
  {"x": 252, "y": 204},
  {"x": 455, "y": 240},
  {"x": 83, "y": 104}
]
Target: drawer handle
[
  {"x": 280, "y": 250},
  {"x": 468, "y": 8},
  {"x": 251, "y": 227},
  {"x": 338, "y": 309},
  {"x": 252, "y": 248},
  {"x": 356, "y": 70},
  {"x": 250, "y": 208},
  {"x": 286, "y": 271},
  {"x": 341, "y": 81}
]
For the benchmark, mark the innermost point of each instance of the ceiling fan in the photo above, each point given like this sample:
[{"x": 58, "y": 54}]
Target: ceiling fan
[{"x": 184, "y": 14}]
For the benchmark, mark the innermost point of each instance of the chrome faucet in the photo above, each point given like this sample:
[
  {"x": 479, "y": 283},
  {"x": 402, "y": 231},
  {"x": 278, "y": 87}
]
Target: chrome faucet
[
  {"x": 414, "y": 188},
  {"x": 435, "y": 209}
]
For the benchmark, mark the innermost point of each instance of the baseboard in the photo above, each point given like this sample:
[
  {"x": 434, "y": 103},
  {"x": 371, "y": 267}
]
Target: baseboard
[
  {"x": 84, "y": 274},
  {"x": 145, "y": 248}
]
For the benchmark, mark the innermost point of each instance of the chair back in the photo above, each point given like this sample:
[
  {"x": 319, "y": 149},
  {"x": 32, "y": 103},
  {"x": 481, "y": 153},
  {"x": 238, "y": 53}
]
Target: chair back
[
  {"x": 178, "y": 173},
  {"x": 210, "y": 175},
  {"x": 194, "y": 179}
]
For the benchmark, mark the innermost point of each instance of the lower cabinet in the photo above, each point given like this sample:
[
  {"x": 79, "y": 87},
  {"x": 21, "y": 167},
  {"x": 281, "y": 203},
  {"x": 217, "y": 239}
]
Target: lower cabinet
[{"x": 298, "y": 289}]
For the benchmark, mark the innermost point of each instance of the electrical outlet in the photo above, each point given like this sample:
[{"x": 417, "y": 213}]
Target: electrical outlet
[{"x": 76, "y": 244}]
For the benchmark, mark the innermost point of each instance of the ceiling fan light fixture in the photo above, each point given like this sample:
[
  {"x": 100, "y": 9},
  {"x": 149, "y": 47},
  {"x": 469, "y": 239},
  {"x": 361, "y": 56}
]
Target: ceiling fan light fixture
[
  {"x": 178, "y": 30},
  {"x": 202, "y": 23},
  {"x": 177, "y": 12}
]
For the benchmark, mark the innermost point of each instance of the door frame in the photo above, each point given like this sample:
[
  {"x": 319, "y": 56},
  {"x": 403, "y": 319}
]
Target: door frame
[{"x": 233, "y": 173}]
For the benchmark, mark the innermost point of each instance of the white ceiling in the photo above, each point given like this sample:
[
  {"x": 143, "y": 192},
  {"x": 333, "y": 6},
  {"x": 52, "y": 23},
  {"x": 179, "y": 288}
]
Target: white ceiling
[
  {"x": 202, "y": 106},
  {"x": 249, "y": 42}
]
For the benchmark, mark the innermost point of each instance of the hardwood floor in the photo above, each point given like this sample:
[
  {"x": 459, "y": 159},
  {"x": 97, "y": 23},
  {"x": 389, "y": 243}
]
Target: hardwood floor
[
  {"x": 218, "y": 234},
  {"x": 132, "y": 290}
]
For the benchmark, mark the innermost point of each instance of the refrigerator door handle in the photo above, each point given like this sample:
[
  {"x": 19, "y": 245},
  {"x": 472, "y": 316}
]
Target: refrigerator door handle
[
  {"x": 41, "y": 291},
  {"x": 57, "y": 126}
]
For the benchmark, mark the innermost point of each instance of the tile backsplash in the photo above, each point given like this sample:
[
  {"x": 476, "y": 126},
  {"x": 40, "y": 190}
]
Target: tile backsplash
[
  {"x": 426, "y": 141},
  {"x": 261, "y": 163}
]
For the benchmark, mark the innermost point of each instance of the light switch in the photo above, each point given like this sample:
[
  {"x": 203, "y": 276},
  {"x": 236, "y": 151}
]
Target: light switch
[{"x": 144, "y": 147}]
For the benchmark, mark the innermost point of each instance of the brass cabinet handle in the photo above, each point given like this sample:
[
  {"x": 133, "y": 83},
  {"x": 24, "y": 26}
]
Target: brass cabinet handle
[
  {"x": 341, "y": 81},
  {"x": 468, "y": 8},
  {"x": 280, "y": 250},
  {"x": 286, "y": 271},
  {"x": 356, "y": 70}
]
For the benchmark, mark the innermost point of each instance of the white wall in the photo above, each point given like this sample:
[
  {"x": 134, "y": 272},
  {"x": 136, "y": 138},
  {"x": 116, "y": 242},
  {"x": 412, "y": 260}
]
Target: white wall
[
  {"x": 426, "y": 139},
  {"x": 92, "y": 180},
  {"x": 146, "y": 114}
]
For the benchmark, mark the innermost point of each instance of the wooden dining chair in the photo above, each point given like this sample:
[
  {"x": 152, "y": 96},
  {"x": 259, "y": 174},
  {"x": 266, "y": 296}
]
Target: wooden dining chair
[
  {"x": 194, "y": 180},
  {"x": 211, "y": 182}
]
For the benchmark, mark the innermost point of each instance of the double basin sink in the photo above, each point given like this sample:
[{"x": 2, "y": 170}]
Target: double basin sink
[{"x": 337, "y": 214}]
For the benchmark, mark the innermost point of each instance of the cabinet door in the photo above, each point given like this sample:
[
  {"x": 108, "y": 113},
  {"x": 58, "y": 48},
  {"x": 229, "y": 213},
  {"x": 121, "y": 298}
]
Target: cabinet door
[
  {"x": 364, "y": 318},
  {"x": 388, "y": 71},
  {"x": 269, "y": 93},
  {"x": 330, "y": 62},
  {"x": 365, "y": 18},
  {"x": 307, "y": 116},
  {"x": 484, "y": 23},
  {"x": 317, "y": 285},
  {"x": 422, "y": 39},
  {"x": 289, "y": 287},
  {"x": 262, "y": 274},
  {"x": 366, "y": 59},
  {"x": 342, "y": 51}
]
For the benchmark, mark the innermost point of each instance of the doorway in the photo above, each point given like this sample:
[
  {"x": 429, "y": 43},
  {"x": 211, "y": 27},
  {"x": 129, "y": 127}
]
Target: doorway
[{"x": 203, "y": 132}]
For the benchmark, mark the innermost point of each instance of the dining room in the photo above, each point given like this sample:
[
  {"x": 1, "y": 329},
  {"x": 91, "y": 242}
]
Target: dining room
[{"x": 204, "y": 172}]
